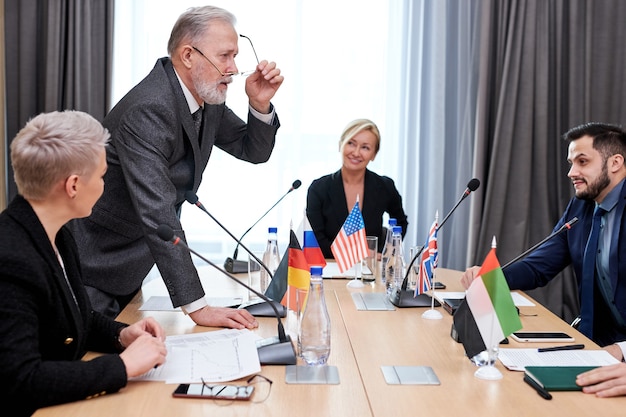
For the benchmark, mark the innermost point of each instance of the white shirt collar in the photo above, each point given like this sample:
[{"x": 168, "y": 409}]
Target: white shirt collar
[{"x": 193, "y": 104}]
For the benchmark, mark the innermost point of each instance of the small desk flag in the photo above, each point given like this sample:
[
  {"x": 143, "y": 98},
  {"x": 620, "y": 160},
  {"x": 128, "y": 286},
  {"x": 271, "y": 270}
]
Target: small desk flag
[{"x": 350, "y": 245}]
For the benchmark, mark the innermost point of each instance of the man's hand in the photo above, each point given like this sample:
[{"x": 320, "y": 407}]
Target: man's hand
[
  {"x": 615, "y": 351},
  {"x": 262, "y": 85},
  {"x": 469, "y": 275},
  {"x": 605, "y": 381},
  {"x": 224, "y": 317}
]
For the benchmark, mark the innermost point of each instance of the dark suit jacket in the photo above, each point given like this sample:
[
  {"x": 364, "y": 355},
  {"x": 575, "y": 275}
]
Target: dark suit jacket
[
  {"x": 43, "y": 332},
  {"x": 154, "y": 158},
  {"x": 327, "y": 210},
  {"x": 537, "y": 269}
]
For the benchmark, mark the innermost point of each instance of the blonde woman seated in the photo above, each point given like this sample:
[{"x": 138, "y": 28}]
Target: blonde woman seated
[
  {"x": 46, "y": 321},
  {"x": 331, "y": 197}
]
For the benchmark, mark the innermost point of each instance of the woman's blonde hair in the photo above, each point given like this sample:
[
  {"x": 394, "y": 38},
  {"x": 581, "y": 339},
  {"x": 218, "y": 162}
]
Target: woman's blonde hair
[
  {"x": 52, "y": 146},
  {"x": 357, "y": 126}
]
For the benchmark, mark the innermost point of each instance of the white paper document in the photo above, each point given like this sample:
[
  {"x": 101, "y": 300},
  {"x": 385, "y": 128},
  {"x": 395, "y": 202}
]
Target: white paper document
[
  {"x": 518, "y": 359},
  {"x": 216, "y": 356},
  {"x": 518, "y": 299},
  {"x": 331, "y": 270}
]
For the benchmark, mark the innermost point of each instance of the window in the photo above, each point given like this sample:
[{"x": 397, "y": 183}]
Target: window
[{"x": 334, "y": 56}]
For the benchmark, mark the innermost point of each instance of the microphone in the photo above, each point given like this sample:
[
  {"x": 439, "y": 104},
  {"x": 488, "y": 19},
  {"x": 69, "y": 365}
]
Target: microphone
[
  {"x": 272, "y": 351},
  {"x": 234, "y": 266},
  {"x": 257, "y": 309},
  {"x": 566, "y": 226},
  {"x": 402, "y": 297}
]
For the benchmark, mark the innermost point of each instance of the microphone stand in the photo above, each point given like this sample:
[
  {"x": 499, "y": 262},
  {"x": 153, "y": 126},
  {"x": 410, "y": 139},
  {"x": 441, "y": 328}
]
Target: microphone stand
[
  {"x": 193, "y": 199},
  {"x": 401, "y": 297},
  {"x": 256, "y": 309},
  {"x": 273, "y": 351},
  {"x": 235, "y": 266},
  {"x": 566, "y": 226}
]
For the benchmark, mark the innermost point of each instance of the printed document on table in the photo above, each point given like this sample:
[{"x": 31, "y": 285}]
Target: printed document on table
[
  {"x": 215, "y": 356},
  {"x": 518, "y": 359},
  {"x": 518, "y": 299},
  {"x": 331, "y": 270}
]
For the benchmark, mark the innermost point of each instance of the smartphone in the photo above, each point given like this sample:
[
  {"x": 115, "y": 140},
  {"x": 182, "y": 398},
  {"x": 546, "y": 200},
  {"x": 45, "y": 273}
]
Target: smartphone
[
  {"x": 542, "y": 337},
  {"x": 439, "y": 285},
  {"x": 217, "y": 392},
  {"x": 451, "y": 304}
]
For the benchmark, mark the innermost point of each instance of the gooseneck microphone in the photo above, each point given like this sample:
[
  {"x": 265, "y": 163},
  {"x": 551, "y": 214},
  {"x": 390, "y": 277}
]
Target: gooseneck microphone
[
  {"x": 256, "y": 309},
  {"x": 192, "y": 198},
  {"x": 566, "y": 226},
  {"x": 273, "y": 351},
  {"x": 402, "y": 297},
  {"x": 234, "y": 266},
  {"x": 472, "y": 185}
]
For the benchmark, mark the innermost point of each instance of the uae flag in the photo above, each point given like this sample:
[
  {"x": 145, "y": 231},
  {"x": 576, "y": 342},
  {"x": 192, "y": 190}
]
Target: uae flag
[{"x": 489, "y": 309}]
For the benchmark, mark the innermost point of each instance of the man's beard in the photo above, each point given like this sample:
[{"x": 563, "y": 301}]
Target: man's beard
[
  {"x": 208, "y": 91},
  {"x": 596, "y": 187}
]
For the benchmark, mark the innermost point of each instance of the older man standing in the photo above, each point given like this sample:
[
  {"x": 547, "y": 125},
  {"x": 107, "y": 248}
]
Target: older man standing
[{"x": 162, "y": 134}]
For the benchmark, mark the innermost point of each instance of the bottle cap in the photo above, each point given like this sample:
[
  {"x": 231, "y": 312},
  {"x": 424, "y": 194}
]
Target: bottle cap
[
  {"x": 397, "y": 229},
  {"x": 392, "y": 222},
  {"x": 272, "y": 230},
  {"x": 316, "y": 270}
]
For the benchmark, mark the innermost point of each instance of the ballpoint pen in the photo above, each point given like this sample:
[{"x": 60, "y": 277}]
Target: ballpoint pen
[
  {"x": 540, "y": 390},
  {"x": 566, "y": 347}
]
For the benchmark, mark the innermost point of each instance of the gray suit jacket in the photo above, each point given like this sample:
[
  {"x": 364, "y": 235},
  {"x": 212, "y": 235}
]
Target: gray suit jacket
[{"x": 155, "y": 157}]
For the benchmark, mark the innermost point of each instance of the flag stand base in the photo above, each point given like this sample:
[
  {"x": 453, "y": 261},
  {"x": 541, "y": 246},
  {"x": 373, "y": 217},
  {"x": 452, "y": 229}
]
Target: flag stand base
[
  {"x": 488, "y": 372},
  {"x": 355, "y": 283},
  {"x": 432, "y": 314}
]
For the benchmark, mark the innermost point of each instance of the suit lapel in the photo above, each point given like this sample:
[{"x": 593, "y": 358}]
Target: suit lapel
[
  {"x": 31, "y": 223},
  {"x": 337, "y": 193},
  {"x": 615, "y": 239}
]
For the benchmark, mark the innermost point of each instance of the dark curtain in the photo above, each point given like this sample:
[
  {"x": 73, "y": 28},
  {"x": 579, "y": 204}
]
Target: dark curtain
[
  {"x": 58, "y": 57},
  {"x": 545, "y": 66}
]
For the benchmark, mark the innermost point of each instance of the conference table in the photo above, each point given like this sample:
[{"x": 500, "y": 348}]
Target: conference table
[{"x": 363, "y": 341}]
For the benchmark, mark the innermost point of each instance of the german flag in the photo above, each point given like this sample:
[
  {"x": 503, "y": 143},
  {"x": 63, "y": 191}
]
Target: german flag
[{"x": 292, "y": 274}]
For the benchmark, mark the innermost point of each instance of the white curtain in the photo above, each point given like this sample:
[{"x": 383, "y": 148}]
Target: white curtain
[
  {"x": 407, "y": 65},
  {"x": 437, "y": 89}
]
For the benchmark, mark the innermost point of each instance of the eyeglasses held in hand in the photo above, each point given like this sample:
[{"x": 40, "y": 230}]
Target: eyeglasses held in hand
[{"x": 231, "y": 74}]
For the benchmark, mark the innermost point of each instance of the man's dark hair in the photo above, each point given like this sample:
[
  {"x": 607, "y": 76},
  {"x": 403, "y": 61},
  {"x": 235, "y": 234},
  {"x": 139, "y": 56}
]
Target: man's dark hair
[{"x": 608, "y": 139}]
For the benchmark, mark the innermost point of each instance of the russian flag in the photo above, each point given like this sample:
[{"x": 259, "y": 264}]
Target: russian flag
[{"x": 309, "y": 245}]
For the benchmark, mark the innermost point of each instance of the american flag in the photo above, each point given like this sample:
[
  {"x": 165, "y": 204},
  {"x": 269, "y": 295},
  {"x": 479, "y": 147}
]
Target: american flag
[
  {"x": 350, "y": 245},
  {"x": 428, "y": 262}
]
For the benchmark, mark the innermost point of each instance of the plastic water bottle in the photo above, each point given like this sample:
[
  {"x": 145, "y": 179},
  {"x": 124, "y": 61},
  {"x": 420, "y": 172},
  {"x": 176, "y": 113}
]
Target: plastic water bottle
[
  {"x": 271, "y": 257},
  {"x": 395, "y": 265},
  {"x": 315, "y": 323},
  {"x": 386, "y": 250}
]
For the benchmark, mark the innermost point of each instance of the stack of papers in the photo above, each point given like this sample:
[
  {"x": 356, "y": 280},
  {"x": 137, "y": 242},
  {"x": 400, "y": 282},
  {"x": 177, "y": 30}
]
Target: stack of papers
[
  {"x": 215, "y": 356},
  {"x": 519, "y": 359},
  {"x": 331, "y": 270}
]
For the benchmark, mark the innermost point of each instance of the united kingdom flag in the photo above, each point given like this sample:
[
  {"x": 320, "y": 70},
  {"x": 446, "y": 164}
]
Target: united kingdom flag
[{"x": 428, "y": 262}]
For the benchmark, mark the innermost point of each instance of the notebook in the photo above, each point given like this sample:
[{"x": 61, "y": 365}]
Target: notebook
[{"x": 557, "y": 378}]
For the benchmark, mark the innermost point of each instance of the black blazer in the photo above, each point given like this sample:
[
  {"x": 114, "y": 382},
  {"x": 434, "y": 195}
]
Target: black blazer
[
  {"x": 44, "y": 333},
  {"x": 154, "y": 158},
  {"x": 327, "y": 210}
]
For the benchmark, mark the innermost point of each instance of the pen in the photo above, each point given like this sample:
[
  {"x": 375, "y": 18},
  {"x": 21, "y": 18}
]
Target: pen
[
  {"x": 566, "y": 347},
  {"x": 540, "y": 390}
]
